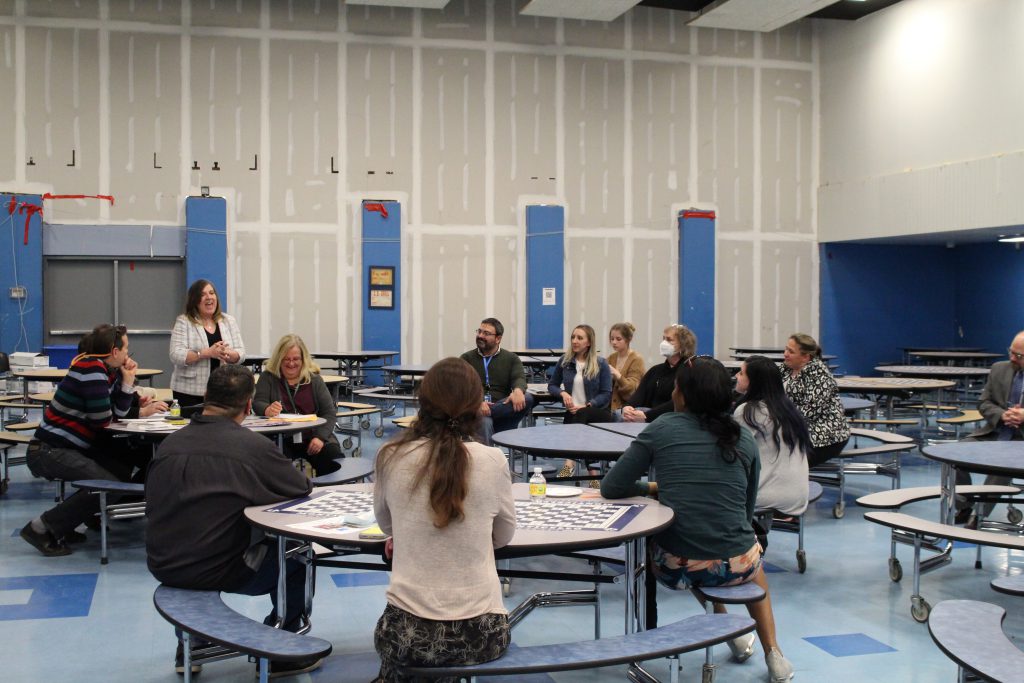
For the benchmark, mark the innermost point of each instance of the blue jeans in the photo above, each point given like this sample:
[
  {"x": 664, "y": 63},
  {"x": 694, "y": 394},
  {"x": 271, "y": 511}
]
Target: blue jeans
[{"x": 503, "y": 417}]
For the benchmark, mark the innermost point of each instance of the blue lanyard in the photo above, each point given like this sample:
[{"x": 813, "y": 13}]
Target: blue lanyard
[{"x": 487, "y": 375}]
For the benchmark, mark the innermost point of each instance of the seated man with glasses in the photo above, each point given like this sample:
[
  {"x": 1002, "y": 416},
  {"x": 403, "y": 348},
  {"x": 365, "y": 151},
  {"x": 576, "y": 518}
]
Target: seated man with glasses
[
  {"x": 99, "y": 386},
  {"x": 506, "y": 402},
  {"x": 1000, "y": 405}
]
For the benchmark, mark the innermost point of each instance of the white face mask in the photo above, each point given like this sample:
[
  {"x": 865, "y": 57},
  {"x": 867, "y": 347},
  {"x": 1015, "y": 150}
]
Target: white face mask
[{"x": 666, "y": 349}]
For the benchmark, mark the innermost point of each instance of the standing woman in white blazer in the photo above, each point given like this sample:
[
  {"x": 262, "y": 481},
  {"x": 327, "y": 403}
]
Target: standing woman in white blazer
[{"x": 202, "y": 339}]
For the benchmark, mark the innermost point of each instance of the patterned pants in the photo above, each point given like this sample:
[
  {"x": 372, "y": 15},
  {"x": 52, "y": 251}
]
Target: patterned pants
[{"x": 403, "y": 639}]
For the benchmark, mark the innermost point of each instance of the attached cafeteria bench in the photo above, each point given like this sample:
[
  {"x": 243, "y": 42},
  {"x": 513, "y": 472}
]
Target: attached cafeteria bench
[
  {"x": 694, "y": 633},
  {"x": 921, "y": 530},
  {"x": 971, "y": 634},
  {"x": 204, "y": 614},
  {"x": 125, "y": 510}
]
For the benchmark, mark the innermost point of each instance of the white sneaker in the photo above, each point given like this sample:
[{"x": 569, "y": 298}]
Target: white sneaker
[
  {"x": 742, "y": 647},
  {"x": 779, "y": 668}
]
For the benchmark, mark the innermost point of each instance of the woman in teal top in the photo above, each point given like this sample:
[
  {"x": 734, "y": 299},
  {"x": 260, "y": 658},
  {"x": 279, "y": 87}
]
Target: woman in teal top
[{"x": 708, "y": 471}]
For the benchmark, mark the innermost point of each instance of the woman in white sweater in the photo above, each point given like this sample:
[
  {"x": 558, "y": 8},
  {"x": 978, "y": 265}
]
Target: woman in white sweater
[
  {"x": 202, "y": 339},
  {"x": 781, "y": 435},
  {"x": 446, "y": 501}
]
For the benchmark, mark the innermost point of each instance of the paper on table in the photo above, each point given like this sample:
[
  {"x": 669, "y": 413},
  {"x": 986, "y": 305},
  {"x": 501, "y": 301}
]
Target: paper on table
[
  {"x": 296, "y": 417},
  {"x": 342, "y": 525}
]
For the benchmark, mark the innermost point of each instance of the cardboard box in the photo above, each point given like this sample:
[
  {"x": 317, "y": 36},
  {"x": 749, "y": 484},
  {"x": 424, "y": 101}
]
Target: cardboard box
[{"x": 28, "y": 359}]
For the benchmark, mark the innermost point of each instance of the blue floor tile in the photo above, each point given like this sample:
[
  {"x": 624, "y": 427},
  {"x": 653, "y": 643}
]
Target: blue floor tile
[
  {"x": 849, "y": 645},
  {"x": 356, "y": 579},
  {"x": 47, "y": 597}
]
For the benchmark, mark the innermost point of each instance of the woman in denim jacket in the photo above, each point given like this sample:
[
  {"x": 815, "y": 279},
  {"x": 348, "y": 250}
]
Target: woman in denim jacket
[{"x": 582, "y": 381}]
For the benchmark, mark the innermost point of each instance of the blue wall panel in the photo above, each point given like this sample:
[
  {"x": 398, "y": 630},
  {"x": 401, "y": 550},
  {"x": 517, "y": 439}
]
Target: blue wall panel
[
  {"x": 877, "y": 299},
  {"x": 545, "y": 268},
  {"x": 206, "y": 243},
  {"x": 382, "y": 247},
  {"x": 988, "y": 312},
  {"x": 697, "y": 276},
  {"x": 21, "y": 321}
]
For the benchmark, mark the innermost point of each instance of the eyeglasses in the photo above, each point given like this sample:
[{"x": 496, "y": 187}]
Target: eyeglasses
[
  {"x": 485, "y": 333},
  {"x": 1014, "y": 355},
  {"x": 689, "y": 361}
]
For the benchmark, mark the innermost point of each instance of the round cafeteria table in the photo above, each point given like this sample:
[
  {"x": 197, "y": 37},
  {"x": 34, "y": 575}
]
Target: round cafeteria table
[
  {"x": 1005, "y": 458},
  {"x": 956, "y": 372},
  {"x": 57, "y": 374},
  {"x": 573, "y": 441},
  {"x": 527, "y": 542},
  {"x": 852, "y": 405},
  {"x": 954, "y": 356},
  {"x": 890, "y": 387}
]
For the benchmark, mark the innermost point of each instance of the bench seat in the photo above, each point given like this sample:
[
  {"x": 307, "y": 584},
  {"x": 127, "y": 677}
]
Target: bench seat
[
  {"x": 121, "y": 510},
  {"x": 884, "y": 437},
  {"x": 971, "y": 634},
  {"x": 926, "y": 534},
  {"x": 1011, "y": 585},
  {"x": 694, "y": 633},
  {"x": 896, "y": 498},
  {"x": 204, "y": 614}
]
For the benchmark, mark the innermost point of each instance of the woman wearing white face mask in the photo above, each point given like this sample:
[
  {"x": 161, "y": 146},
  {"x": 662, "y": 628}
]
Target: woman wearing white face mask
[{"x": 654, "y": 395}]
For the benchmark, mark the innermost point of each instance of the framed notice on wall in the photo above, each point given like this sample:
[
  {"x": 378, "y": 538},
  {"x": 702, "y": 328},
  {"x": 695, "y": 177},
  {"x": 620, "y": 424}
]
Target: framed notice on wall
[{"x": 382, "y": 287}]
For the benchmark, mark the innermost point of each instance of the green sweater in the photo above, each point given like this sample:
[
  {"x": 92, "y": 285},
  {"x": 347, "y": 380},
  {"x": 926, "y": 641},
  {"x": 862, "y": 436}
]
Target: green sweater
[
  {"x": 505, "y": 372},
  {"x": 713, "y": 499}
]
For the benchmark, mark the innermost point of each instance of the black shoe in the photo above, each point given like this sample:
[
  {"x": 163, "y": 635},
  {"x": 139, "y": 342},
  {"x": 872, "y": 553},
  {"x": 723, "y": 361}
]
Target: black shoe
[
  {"x": 962, "y": 515},
  {"x": 44, "y": 542},
  {"x": 74, "y": 537},
  {"x": 279, "y": 669},
  {"x": 179, "y": 661}
]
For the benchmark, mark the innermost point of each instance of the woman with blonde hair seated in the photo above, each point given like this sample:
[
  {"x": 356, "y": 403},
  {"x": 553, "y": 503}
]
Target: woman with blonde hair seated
[{"x": 291, "y": 383}]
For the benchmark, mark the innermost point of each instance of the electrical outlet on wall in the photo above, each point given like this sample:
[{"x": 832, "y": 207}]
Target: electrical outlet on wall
[{"x": 18, "y": 292}]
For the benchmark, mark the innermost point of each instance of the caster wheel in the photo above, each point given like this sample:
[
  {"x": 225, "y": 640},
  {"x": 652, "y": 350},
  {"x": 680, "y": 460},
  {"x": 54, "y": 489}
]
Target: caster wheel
[
  {"x": 895, "y": 570},
  {"x": 356, "y": 453},
  {"x": 378, "y": 432},
  {"x": 838, "y": 510},
  {"x": 365, "y": 424},
  {"x": 347, "y": 443},
  {"x": 920, "y": 609},
  {"x": 1014, "y": 516},
  {"x": 801, "y": 561}
]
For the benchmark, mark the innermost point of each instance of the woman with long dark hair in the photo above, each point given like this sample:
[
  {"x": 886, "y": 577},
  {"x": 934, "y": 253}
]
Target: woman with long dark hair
[
  {"x": 446, "y": 501},
  {"x": 780, "y": 433},
  {"x": 707, "y": 469}
]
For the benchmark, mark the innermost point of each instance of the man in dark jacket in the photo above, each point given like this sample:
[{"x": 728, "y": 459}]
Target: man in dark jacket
[{"x": 199, "y": 484}]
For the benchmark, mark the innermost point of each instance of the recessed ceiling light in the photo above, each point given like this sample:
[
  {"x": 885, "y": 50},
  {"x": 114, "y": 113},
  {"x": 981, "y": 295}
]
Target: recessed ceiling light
[{"x": 1012, "y": 238}]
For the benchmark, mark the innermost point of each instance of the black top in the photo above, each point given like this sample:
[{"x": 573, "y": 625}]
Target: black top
[
  {"x": 211, "y": 339},
  {"x": 199, "y": 484},
  {"x": 655, "y": 390}
]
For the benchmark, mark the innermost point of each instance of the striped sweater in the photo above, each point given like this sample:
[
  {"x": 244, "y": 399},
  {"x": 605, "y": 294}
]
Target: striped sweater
[{"x": 84, "y": 403}]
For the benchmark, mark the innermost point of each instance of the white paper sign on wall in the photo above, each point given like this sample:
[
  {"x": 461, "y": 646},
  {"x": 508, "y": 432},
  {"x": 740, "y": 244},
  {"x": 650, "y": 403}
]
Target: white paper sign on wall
[{"x": 548, "y": 296}]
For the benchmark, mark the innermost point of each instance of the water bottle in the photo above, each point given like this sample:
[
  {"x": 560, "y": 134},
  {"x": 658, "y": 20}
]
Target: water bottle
[
  {"x": 175, "y": 409},
  {"x": 538, "y": 485}
]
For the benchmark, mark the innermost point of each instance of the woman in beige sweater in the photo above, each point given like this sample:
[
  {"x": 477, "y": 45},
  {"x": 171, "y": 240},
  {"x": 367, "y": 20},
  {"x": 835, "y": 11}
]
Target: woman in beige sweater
[
  {"x": 446, "y": 501},
  {"x": 626, "y": 364}
]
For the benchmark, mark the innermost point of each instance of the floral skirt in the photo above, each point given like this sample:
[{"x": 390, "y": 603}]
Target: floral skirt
[
  {"x": 679, "y": 573},
  {"x": 403, "y": 639}
]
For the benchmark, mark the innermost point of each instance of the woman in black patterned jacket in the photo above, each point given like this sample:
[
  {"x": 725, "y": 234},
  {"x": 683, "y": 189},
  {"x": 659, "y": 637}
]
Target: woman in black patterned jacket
[{"x": 811, "y": 386}]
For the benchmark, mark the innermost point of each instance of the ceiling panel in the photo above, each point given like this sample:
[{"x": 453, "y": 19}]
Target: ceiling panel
[
  {"x": 756, "y": 15},
  {"x": 421, "y": 4},
  {"x": 595, "y": 10}
]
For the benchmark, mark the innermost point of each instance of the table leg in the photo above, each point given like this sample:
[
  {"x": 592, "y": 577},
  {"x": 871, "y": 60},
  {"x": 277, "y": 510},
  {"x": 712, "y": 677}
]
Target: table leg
[
  {"x": 947, "y": 501},
  {"x": 282, "y": 590}
]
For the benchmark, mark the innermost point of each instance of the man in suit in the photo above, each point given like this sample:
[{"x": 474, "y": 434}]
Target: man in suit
[{"x": 1000, "y": 405}]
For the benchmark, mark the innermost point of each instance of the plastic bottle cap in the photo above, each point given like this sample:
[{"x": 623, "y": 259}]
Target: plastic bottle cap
[{"x": 536, "y": 470}]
